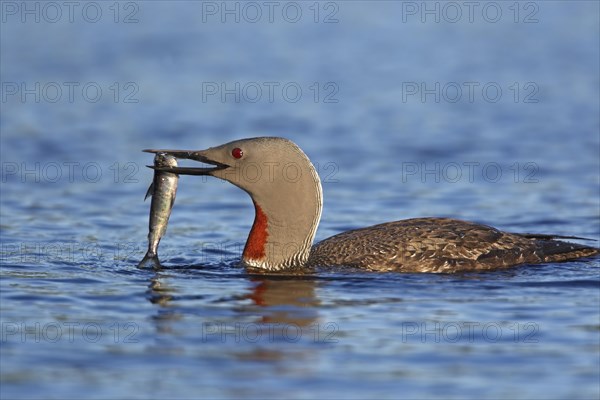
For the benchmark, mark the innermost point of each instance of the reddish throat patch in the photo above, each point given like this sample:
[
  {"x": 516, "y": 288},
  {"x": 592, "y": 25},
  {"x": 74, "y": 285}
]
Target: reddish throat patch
[{"x": 257, "y": 240}]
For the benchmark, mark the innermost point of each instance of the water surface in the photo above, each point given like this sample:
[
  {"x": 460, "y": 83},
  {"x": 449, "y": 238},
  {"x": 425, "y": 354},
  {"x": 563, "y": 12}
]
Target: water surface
[{"x": 79, "y": 320}]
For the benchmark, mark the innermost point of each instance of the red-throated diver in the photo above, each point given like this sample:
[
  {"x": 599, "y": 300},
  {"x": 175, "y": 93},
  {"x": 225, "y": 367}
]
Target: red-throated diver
[{"x": 288, "y": 209}]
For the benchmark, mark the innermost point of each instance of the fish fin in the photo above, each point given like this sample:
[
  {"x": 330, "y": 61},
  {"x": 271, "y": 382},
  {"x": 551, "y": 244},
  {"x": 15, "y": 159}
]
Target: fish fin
[
  {"x": 150, "y": 260},
  {"x": 150, "y": 191}
]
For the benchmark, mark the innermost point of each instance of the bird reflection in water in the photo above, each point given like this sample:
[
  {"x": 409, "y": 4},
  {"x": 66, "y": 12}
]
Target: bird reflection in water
[
  {"x": 276, "y": 320},
  {"x": 285, "y": 300},
  {"x": 275, "y": 299}
]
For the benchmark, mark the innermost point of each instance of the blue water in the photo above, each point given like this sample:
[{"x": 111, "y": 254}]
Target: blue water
[{"x": 378, "y": 94}]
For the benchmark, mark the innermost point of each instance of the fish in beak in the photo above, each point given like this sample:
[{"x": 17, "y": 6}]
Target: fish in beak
[{"x": 196, "y": 155}]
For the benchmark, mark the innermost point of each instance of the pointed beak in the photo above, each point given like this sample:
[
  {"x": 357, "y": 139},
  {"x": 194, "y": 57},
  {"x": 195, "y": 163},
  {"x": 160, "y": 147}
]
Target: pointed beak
[{"x": 188, "y": 155}]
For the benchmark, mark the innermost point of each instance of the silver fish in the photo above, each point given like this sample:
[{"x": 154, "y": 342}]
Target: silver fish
[{"x": 162, "y": 190}]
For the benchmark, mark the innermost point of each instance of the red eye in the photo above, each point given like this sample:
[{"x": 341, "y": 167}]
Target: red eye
[{"x": 237, "y": 153}]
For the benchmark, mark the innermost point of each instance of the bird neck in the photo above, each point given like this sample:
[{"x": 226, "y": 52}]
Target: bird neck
[{"x": 285, "y": 222}]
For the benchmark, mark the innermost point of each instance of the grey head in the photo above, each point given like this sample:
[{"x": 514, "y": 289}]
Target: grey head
[{"x": 284, "y": 186}]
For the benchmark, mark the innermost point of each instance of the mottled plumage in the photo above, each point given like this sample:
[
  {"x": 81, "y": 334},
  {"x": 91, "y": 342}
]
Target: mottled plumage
[{"x": 439, "y": 245}]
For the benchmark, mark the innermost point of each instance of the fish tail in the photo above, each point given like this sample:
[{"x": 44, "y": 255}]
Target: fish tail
[{"x": 150, "y": 260}]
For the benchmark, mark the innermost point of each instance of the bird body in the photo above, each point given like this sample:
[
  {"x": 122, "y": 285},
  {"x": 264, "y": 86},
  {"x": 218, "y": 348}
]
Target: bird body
[{"x": 439, "y": 245}]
